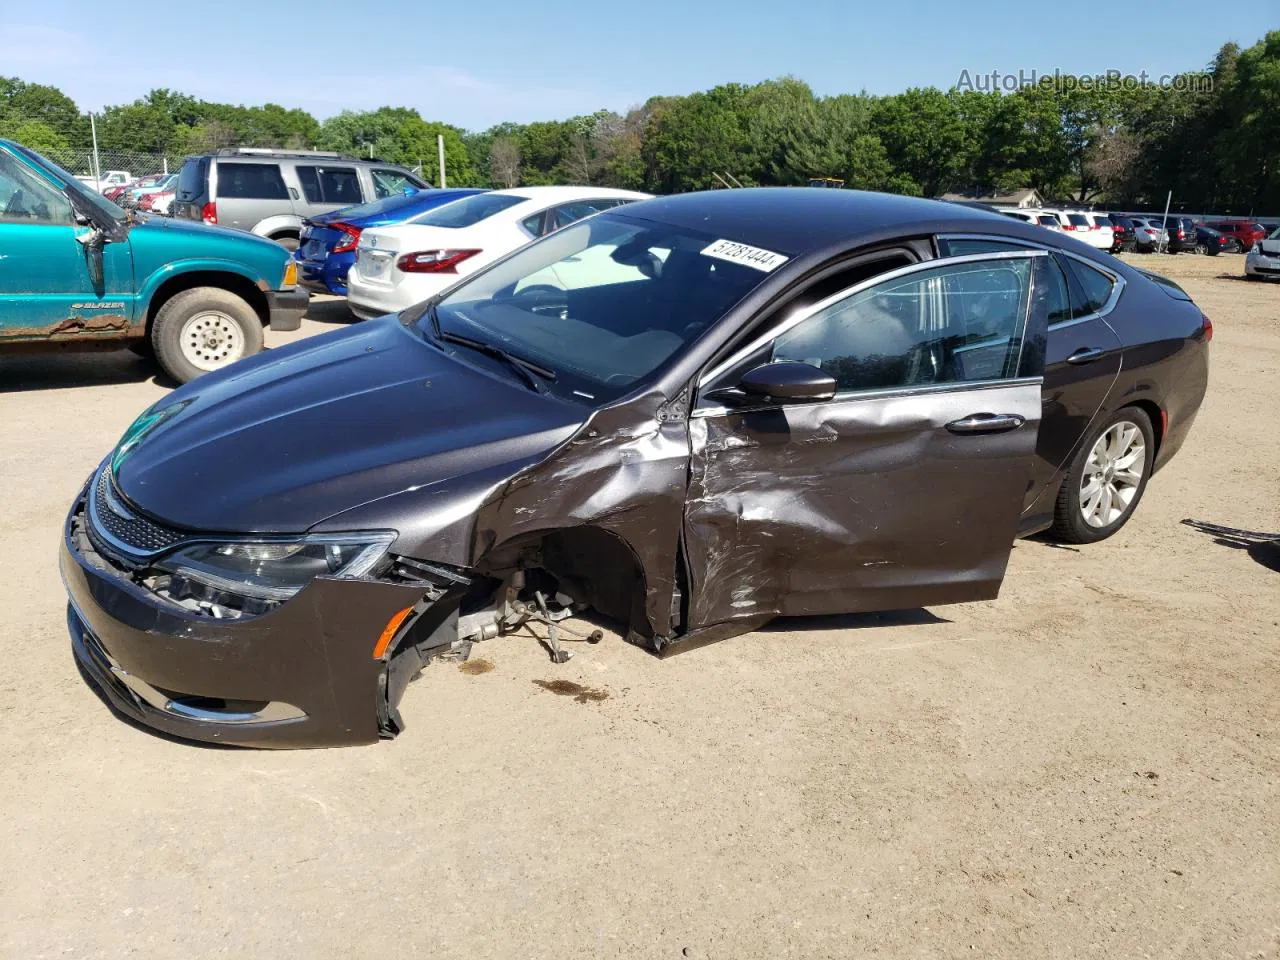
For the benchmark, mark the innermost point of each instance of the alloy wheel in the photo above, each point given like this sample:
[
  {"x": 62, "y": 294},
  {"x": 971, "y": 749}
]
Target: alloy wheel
[{"x": 1113, "y": 474}]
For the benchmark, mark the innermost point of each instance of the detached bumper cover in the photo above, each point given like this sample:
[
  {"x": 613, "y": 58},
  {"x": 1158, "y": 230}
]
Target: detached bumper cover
[
  {"x": 286, "y": 307},
  {"x": 302, "y": 675}
]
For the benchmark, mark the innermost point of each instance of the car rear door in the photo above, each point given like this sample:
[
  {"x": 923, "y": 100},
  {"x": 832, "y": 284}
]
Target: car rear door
[
  {"x": 329, "y": 186},
  {"x": 903, "y": 490},
  {"x": 1082, "y": 356},
  {"x": 249, "y": 191},
  {"x": 48, "y": 287}
]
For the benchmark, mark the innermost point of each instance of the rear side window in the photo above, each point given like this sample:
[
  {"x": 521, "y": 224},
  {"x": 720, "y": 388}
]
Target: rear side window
[
  {"x": 192, "y": 178},
  {"x": 1094, "y": 284},
  {"x": 467, "y": 212},
  {"x": 251, "y": 181},
  {"x": 329, "y": 184}
]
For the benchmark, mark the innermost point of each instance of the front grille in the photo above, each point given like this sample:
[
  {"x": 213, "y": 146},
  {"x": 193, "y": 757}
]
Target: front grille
[{"x": 122, "y": 527}]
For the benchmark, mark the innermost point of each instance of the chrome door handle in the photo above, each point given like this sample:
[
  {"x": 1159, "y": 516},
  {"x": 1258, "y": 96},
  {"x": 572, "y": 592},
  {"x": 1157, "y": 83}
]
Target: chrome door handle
[
  {"x": 1085, "y": 355},
  {"x": 986, "y": 423}
]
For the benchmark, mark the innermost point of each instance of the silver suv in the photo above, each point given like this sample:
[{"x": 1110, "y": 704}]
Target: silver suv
[{"x": 270, "y": 192}]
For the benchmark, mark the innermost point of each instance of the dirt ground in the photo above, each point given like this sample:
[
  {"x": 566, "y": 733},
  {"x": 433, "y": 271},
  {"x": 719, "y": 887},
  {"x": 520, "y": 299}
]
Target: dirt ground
[{"x": 1087, "y": 767}]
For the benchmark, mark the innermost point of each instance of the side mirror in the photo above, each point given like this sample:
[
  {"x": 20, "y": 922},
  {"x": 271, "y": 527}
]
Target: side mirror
[
  {"x": 93, "y": 241},
  {"x": 788, "y": 380}
]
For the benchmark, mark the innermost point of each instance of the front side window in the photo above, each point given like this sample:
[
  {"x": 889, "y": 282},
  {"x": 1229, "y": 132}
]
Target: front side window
[
  {"x": 251, "y": 181},
  {"x": 330, "y": 184},
  {"x": 387, "y": 183},
  {"x": 25, "y": 197},
  {"x": 955, "y": 323},
  {"x": 604, "y": 304},
  {"x": 468, "y": 211}
]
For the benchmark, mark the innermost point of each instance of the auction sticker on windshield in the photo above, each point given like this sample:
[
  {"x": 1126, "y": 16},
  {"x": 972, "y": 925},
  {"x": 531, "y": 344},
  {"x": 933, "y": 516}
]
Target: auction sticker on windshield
[{"x": 748, "y": 256}]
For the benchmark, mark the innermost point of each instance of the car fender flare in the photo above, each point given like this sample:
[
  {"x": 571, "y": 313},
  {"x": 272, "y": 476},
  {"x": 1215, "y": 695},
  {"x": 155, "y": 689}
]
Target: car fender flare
[
  {"x": 281, "y": 223},
  {"x": 202, "y": 265}
]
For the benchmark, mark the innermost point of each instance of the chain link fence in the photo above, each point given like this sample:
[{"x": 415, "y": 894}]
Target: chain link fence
[{"x": 114, "y": 167}]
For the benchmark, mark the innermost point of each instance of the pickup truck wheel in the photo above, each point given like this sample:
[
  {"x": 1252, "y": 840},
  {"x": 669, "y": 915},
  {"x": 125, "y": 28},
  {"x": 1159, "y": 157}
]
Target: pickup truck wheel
[{"x": 203, "y": 329}]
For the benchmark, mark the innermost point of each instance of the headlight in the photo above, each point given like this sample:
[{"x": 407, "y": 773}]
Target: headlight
[{"x": 276, "y": 569}]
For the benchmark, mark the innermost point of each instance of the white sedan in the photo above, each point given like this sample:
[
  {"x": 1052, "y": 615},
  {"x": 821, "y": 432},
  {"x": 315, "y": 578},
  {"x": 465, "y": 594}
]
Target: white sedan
[
  {"x": 399, "y": 266},
  {"x": 1263, "y": 259}
]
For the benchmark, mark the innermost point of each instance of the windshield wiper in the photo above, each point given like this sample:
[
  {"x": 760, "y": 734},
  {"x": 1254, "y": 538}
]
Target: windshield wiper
[{"x": 533, "y": 374}]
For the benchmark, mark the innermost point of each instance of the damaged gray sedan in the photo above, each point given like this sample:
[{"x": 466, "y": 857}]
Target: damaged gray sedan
[{"x": 688, "y": 415}]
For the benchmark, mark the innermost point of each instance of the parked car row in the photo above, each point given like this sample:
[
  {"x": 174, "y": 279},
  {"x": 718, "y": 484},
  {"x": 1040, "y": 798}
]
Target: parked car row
[{"x": 1145, "y": 233}]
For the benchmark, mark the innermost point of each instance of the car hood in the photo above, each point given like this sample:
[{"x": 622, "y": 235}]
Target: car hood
[{"x": 282, "y": 441}]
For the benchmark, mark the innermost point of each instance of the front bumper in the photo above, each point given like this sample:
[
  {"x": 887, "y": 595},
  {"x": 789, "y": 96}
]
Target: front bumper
[
  {"x": 1256, "y": 265},
  {"x": 286, "y": 307},
  {"x": 302, "y": 675}
]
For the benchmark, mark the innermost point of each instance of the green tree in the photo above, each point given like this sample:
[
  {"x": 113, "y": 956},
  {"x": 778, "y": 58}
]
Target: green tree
[{"x": 924, "y": 137}]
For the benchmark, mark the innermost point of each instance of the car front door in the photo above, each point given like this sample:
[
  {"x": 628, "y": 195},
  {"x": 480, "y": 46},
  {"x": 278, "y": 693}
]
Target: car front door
[
  {"x": 905, "y": 487},
  {"x": 49, "y": 284}
]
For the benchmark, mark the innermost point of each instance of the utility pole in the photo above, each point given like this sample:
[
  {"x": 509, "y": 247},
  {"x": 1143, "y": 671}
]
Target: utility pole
[
  {"x": 1165, "y": 222},
  {"x": 440, "y": 157},
  {"x": 97, "y": 164}
]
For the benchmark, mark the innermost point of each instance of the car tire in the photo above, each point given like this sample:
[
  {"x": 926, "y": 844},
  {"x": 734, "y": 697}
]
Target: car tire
[
  {"x": 1202, "y": 249},
  {"x": 203, "y": 329},
  {"x": 1104, "y": 463},
  {"x": 289, "y": 243}
]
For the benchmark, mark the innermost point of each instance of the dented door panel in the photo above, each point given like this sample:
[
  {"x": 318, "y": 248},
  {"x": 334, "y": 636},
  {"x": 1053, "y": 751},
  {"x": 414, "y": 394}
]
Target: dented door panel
[
  {"x": 47, "y": 291},
  {"x": 855, "y": 504}
]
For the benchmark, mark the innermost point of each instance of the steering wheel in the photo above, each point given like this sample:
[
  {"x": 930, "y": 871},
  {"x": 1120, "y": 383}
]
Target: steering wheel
[{"x": 542, "y": 298}]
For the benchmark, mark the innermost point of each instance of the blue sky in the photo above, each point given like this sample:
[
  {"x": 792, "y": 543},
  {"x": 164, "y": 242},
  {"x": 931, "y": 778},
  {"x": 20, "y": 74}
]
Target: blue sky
[{"x": 477, "y": 64}]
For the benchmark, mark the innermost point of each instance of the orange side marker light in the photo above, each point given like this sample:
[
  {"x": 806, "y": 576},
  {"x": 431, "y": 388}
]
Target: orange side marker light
[{"x": 389, "y": 631}]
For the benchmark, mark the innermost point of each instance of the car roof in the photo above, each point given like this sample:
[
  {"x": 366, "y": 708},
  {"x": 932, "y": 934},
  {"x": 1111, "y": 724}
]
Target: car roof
[{"x": 798, "y": 220}]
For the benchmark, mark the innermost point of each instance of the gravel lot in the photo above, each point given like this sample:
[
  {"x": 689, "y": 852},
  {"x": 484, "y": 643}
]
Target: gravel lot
[{"x": 1086, "y": 767}]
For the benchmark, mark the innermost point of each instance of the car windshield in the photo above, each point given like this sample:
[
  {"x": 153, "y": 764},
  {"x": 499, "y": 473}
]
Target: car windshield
[
  {"x": 89, "y": 197},
  {"x": 1274, "y": 234},
  {"x": 467, "y": 212},
  {"x": 602, "y": 304},
  {"x": 1102, "y": 221}
]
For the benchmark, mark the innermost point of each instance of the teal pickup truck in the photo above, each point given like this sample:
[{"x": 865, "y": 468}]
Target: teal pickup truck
[{"x": 77, "y": 272}]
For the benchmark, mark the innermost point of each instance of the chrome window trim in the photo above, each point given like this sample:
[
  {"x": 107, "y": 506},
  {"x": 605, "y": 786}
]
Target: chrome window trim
[
  {"x": 953, "y": 386},
  {"x": 801, "y": 315},
  {"x": 1117, "y": 281}
]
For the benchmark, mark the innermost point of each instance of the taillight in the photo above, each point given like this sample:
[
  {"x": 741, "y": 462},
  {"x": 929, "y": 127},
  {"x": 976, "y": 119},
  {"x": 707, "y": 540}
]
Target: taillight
[
  {"x": 210, "y": 212},
  {"x": 1208, "y": 328},
  {"x": 350, "y": 239},
  {"x": 434, "y": 261},
  {"x": 1181, "y": 235},
  {"x": 1068, "y": 226}
]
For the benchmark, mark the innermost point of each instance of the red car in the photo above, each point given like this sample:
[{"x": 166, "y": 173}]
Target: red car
[{"x": 1243, "y": 233}]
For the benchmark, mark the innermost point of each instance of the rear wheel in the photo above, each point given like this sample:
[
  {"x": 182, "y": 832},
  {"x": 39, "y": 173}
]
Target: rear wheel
[
  {"x": 1106, "y": 478},
  {"x": 288, "y": 241},
  {"x": 204, "y": 329}
]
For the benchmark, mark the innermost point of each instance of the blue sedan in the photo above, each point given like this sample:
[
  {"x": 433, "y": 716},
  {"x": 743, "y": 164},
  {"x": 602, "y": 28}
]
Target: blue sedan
[{"x": 327, "y": 247}]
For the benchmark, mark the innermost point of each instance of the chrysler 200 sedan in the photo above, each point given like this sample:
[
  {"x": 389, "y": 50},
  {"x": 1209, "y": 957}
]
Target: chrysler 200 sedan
[{"x": 735, "y": 405}]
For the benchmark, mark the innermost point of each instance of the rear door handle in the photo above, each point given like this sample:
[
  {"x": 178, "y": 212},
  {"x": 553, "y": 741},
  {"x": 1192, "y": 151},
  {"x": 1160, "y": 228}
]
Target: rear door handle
[
  {"x": 1085, "y": 355},
  {"x": 986, "y": 423}
]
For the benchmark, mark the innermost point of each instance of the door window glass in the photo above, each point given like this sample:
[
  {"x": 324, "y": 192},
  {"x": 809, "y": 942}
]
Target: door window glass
[
  {"x": 388, "y": 183},
  {"x": 568, "y": 213},
  {"x": 1094, "y": 284},
  {"x": 27, "y": 198},
  {"x": 330, "y": 184},
  {"x": 956, "y": 323},
  {"x": 250, "y": 181}
]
